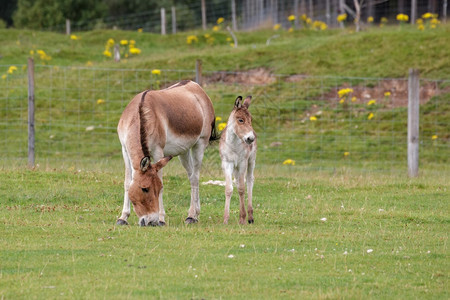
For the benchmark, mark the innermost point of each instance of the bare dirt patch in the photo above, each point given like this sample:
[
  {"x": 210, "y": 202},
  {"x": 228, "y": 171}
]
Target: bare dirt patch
[{"x": 259, "y": 76}]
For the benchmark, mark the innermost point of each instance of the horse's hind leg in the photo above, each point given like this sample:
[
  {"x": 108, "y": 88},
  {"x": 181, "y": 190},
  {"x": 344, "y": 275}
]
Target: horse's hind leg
[{"x": 192, "y": 162}]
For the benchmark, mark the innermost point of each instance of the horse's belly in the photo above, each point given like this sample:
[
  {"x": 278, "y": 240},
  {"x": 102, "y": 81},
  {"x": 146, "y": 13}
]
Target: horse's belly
[{"x": 176, "y": 145}]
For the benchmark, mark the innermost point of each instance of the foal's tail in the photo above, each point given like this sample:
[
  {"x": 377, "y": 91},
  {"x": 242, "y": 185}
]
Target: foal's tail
[{"x": 215, "y": 135}]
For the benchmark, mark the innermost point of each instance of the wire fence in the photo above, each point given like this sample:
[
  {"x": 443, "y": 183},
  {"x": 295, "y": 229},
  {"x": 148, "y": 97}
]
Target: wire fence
[
  {"x": 315, "y": 122},
  {"x": 254, "y": 14}
]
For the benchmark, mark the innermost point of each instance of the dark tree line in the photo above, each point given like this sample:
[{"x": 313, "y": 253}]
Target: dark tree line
[{"x": 40, "y": 14}]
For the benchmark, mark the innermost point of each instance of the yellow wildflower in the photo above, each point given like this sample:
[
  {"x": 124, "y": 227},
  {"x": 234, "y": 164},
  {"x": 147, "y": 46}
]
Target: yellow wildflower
[
  {"x": 110, "y": 43},
  {"x": 216, "y": 28},
  {"x": 276, "y": 26},
  {"x": 434, "y": 137},
  {"x": 323, "y": 26},
  {"x": 291, "y": 18},
  {"x": 387, "y": 94},
  {"x": 370, "y": 19},
  {"x": 156, "y": 72},
  {"x": 346, "y": 153},
  {"x": 135, "y": 50},
  {"x": 140, "y": 30},
  {"x": 313, "y": 118},
  {"x": 342, "y": 101},
  {"x": 218, "y": 119},
  {"x": 421, "y": 27},
  {"x": 427, "y": 15},
  {"x": 304, "y": 17},
  {"x": 89, "y": 64},
  {"x": 12, "y": 69},
  {"x": 31, "y": 52},
  {"x": 220, "y": 20},
  {"x": 124, "y": 42},
  {"x": 370, "y": 116},
  {"x": 107, "y": 53},
  {"x": 289, "y": 162},
  {"x": 371, "y": 102},
  {"x": 4, "y": 76},
  {"x": 341, "y": 18},
  {"x": 354, "y": 99},
  {"x": 43, "y": 55},
  {"x": 308, "y": 21},
  {"x": 100, "y": 101},
  {"x": 191, "y": 39},
  {"x": 74, "y": 37},
  {"x": 344, "y": 92},
  {"x": 402, "y": 18},
  {"x": 221, "y": 126},
  {"x": 435, "y": 21},
  {"x": 291, "y": 29},
  {"x": 419, "y": 21}
]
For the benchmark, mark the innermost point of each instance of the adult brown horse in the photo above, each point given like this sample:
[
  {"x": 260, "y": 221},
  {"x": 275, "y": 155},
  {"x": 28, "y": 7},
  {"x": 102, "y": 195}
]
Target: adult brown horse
[{"x": 155, "y": 126}]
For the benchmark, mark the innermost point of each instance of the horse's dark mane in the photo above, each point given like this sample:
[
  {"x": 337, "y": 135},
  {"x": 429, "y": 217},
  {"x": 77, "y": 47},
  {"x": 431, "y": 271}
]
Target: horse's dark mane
[{"x": 142, "y": 126}]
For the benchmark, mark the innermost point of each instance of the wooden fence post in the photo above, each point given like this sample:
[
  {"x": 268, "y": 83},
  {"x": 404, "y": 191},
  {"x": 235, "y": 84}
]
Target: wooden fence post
[
  {"x": 163, "y": 21},
  {"x": 413, "y": 122},
  {"x": 174, "y": 20},
  {"x": 31, "y": 113},
  {"x": 198, "y": 72},
  {"x": 67, "y": 27}
]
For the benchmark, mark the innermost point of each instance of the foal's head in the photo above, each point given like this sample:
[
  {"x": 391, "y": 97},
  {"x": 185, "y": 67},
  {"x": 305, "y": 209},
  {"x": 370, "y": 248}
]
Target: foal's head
[
  {"x": 144, "y": 191},
  {"x": 242, "y": 120}
]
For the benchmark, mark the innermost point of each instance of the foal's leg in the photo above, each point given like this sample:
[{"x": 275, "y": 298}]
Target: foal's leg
[
  {"x": 227, "y": 168},
  {"x": 250, "y": 180},
  {"x": 241, "y": 189},
  {"x": 126, "y": 201}
]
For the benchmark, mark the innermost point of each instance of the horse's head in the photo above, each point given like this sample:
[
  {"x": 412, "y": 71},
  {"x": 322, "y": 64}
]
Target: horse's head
[
  {"x": 144, "y": 191},
  {"x": 242, "y": 120}
]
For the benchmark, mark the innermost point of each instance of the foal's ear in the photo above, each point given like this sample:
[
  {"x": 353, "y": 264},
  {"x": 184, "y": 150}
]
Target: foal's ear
[
  {"x": 247, "y": 101},
  {"x": 162, "y": 163},
  {"x": 238, "y": 102}
]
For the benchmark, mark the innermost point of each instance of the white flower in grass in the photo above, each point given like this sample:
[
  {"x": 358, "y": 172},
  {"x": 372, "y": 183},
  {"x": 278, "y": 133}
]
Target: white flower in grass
[
  {"x": 323, "y": 219},
  {"x": 345, "y": 252},
  {"x": 242, "y": 246},
  {"x": 369, "y": 250},
  {"x": 231, "y": 256}
]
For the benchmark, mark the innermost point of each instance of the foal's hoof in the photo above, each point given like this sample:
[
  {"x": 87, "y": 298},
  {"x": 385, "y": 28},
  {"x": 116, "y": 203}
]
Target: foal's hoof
[
  {"x": 121, "y": 222},
  {"x": 251, "y": 221},
  {"x": 162, "y": 223},
  {"x": 190, "y": 220}
]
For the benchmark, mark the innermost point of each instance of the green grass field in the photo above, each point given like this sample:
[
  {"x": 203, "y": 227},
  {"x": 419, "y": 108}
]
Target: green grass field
[
  {"x": 385, "y": 236},
  {"x": 330, "y": 227}
]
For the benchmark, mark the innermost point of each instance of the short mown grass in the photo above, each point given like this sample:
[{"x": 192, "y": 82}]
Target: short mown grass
[{"x": 384, "y": 236}]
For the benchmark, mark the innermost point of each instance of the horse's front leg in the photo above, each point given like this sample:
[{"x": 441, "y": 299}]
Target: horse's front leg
[
  {"x": 158, "y": 154},
  {"x": 126, "y": 200}
]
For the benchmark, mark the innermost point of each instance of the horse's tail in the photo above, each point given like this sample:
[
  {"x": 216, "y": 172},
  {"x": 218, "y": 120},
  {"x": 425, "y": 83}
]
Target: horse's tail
[{"x": 215, "y": 135}]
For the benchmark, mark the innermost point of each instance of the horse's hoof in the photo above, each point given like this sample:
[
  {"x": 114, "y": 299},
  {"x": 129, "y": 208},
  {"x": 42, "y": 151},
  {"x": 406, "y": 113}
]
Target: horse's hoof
[
  {"x": 162, "y": 223},
  {"x": 190, "y": 220},
  {"x": 251, "y": 221},
  {"x": 121, "y": 222}
]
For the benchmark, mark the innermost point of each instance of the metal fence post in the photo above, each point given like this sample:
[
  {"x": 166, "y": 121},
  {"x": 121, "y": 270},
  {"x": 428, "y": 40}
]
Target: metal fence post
[
  {"x": 31, "y": 112},
  {"x": 198, "y": 72},
  {"x": 163, "y": 21},
  {"x": 413, "y": 122},
  {"x": 203, "y": 15},
  {"x": 174, "y": 20},
  {"x": 67, "y": 27}
]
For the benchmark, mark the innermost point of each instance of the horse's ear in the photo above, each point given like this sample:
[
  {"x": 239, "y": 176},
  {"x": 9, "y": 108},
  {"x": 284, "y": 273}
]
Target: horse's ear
[
  {"x": 247, "y": 101},
  {"x": 238, "y": 102},
  {"x": 162, "y": 163},
  {"x": 145, "y": 163}
]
